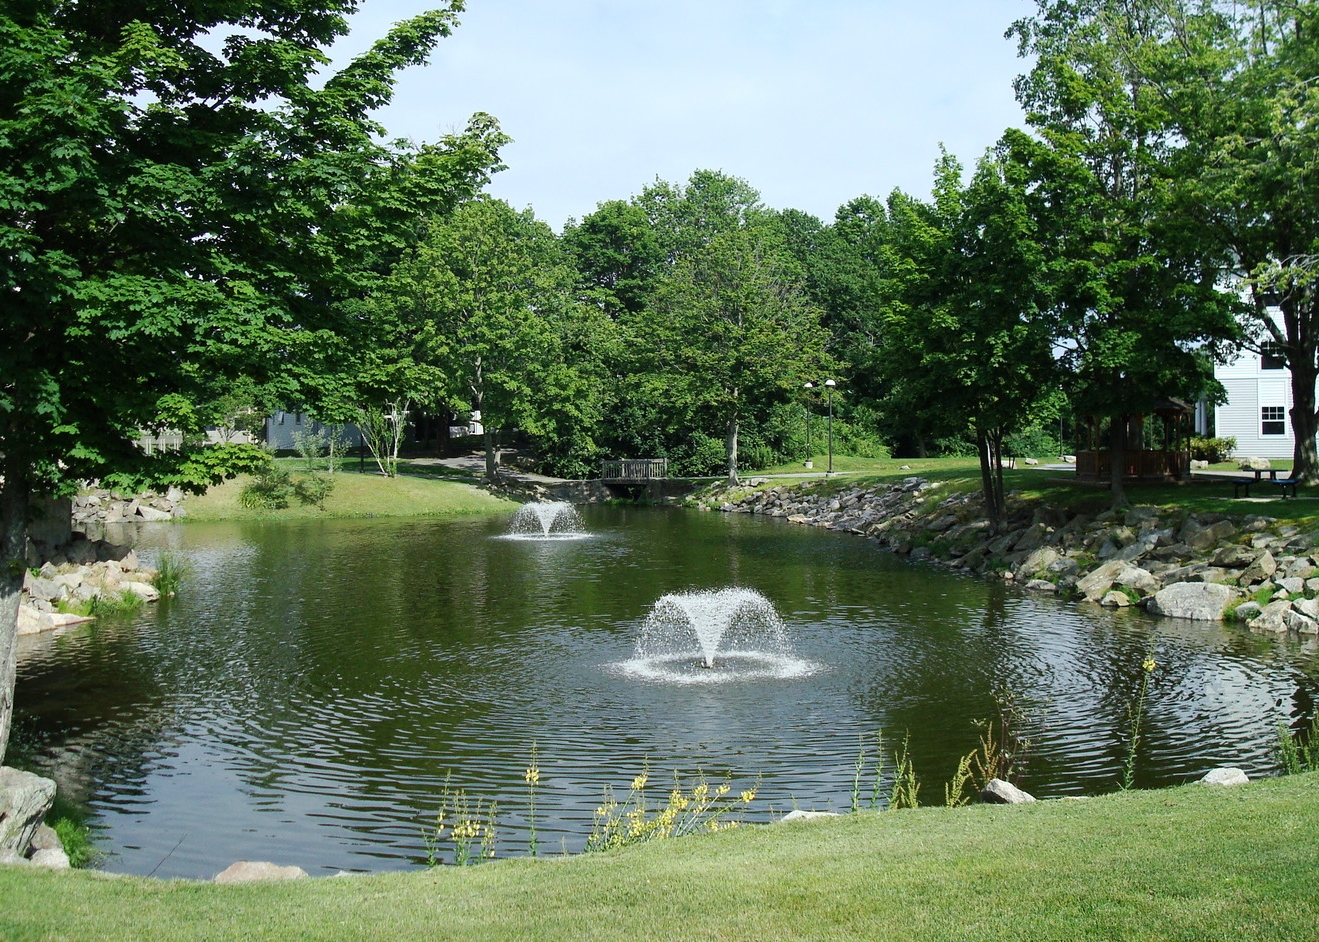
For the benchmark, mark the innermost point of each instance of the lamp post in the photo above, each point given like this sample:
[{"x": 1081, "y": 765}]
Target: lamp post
[
  {"x": 829, "y": 394},
  {"x": 808, "y": 387}
]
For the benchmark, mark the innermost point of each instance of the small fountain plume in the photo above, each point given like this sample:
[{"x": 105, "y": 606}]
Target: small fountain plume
[{"x": 547, "y": 520}]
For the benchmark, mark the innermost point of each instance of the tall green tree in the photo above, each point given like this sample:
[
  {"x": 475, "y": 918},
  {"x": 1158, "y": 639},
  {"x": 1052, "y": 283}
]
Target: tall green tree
[
  {"x": 492, "y": 286},
  {"x": 1250, "y": 115},
  {"x": 1136, "y": 293},
  {"x": 731, "y": 332},
  {"x": 966, "y": 342},
  {"x": 183, "y": 201}
]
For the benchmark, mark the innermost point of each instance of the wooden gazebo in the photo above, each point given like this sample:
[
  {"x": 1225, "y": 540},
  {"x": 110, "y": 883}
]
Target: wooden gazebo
[{"x": 1151, "y": 450}]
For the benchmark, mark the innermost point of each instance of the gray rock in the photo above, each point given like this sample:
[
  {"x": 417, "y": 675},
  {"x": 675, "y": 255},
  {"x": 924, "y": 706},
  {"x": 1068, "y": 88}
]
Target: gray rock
[
  {"x": 24, "y": 800},
  {"x": 1262, "y": 568},
  {"x": 1095, "y": 584},
  {"x": 52, "y": 858},
  {"x": 1041, "y": 585},
  {"x": 1307, "y": 607},
  {"x": 1301, "y": 624},
  {"x": 1234, "y": 557},
  {"x": 251, "y": 871},
  {"x": 1291, "y": 585},
  {"x": 1225, "y": 776},
  {"x": 1272, "y": 619},
  {"x": 999, "y": 792},
  {"x": 1253, "y": 464},
  {"x": 1248, "y": 610},
  {"x": 1199, "y": 601},
  {"x": 1038, "y": 561},
  {"x": 1115, "y": 599},
  {"x": 798, "y": 814}
]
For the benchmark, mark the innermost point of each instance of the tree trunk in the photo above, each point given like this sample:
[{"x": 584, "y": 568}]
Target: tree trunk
[
  {"x": 491, "y": 454},
  {"x": 730, "y": 449},
  {"x": 1305, "y": 422},
  {"x": 14, "y": 495},
  {"x": 989, "y": 444},
  {"x": 1117, "y": 440}
]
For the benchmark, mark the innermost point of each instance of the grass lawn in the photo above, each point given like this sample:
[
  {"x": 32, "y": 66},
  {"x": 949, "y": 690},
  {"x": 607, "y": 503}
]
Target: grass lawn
[
  {"x": 1057, "y": 487},
  {"x": 356, "y": 495},
  {"x": 1190, "y": 863}
]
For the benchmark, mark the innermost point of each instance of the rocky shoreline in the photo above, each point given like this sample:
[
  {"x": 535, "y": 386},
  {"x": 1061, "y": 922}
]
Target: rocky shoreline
[{"x": 1207, "y": 567}]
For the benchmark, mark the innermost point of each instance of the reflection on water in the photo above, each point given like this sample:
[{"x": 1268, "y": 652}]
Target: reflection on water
[{"x": 309, "y": 693}]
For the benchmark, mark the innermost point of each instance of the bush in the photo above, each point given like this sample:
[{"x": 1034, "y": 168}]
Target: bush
[
  {"x": 1213, "y": 450},
  {"x": 313, "y": 489},
  {"x": 269, "y": 490}
]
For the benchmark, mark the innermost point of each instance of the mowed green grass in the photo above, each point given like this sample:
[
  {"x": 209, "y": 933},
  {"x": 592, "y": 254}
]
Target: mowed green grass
[
  {"x": 1190, "y": 863},
  {"x": 1058, "y": 488},
  {"x": 356, "y": 495}
]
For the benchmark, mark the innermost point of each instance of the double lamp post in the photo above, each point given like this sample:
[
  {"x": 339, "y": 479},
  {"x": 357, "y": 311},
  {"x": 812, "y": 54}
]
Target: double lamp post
[{"x": 828, "y": 385}]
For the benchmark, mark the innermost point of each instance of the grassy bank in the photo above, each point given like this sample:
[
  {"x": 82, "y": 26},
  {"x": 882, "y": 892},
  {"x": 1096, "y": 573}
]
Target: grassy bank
[
  {"x": 1058, "y": 488},
  {"x": 1191, "y": 863},
  {"x": 356, "y": 495}
]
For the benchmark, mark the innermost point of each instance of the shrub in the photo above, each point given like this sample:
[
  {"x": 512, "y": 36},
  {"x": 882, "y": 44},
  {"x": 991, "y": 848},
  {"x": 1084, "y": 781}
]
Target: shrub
[
  {"x": 270, "y": 489},
  {"x": 1213, "y": 450},
  {"x": 313, "y": 489}
]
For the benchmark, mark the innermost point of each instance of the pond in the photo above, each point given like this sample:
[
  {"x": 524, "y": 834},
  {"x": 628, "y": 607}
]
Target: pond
[{"x": 317, "y": 685}]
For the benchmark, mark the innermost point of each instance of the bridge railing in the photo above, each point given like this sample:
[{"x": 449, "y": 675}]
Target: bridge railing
[{"x": 635, "y": 469}]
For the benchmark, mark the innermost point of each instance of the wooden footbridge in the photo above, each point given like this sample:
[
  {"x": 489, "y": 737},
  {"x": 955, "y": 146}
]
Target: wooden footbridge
[{"x": 634, "y": 470}]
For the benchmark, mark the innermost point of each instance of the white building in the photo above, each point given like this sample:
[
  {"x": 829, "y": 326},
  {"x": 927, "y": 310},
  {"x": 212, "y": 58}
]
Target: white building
[{"x": 1259, "y": 398}]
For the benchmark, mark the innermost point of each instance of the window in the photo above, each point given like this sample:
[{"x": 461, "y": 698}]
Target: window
[
  {"x": 1273, "y": 420},
  {"x": 1271, "y": 356}
]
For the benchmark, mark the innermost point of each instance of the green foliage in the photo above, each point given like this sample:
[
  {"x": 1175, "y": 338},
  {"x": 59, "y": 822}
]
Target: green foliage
[
  {"x": 171, "y": 572},
  {"x": 469, "y": 827},
  {"x": 632, "y": 821},
  {"x": 905, "y": 787},
  {"x": 1135, "y": 715},
  {"x": 271, "y": 489},
  {"x": 1213, "y": 450},
  {"x": 313, "y": 489},
  {"x": 1299, "y": 752}
]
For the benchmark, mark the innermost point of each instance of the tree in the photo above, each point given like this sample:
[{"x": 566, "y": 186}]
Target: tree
[
  {"x": 965, "y": 342},
  {"x": 174, "y": 215},
  {"x": 1136, "y": 292},
  {"x": 491, "y": 285},
  {"x": 1250, "y": 115},
  {"x": 731, "y": 332}
]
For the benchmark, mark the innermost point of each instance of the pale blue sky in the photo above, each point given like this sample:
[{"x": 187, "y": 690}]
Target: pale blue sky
[{"x": 812, "y": 103}]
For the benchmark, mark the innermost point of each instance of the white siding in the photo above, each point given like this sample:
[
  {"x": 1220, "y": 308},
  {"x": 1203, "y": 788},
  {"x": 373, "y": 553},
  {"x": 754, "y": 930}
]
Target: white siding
[{"x": 1249, "y": 388}]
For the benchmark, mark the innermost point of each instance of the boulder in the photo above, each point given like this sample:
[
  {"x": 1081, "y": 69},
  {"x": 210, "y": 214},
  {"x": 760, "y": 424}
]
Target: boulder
[
  {"x": 1115, "y": 599},
  {"x": 1038, "y": 561},
  {"x": 1272, "y": 619},
  {"x": 1234, "y": 557},
  {"x": 798, "y": 814},
  {"x": 1041, "y": 585},
  {"x": 24, "y": 800},
  {"x": 1224, "y": 776},
  {"x": 152, "y": 514},
  {"x": 252, "y": 871},
  {"x": 1301, "y": 624},
  {"x": 1198, "y": 601},
  {"x": 1262, "y": 568},
  {"x": 999, "y": 792},
  {"x": 1095, "y": 584},
  {"x": 1254, "y": 464}
]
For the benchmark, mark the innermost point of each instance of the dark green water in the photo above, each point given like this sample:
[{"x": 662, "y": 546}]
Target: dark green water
[{"x": 309, "y": 693}]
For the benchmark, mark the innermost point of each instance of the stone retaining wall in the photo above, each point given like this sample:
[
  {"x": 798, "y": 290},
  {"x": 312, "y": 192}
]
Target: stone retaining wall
[{"x": 1200, "y": 566}]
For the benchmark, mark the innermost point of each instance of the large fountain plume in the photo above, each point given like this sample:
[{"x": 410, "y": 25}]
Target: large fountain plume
[{"x": 722, "y": 634}]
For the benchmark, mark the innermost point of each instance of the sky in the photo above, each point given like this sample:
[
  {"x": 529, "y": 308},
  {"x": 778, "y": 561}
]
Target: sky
[{"x": 812, "y": 102}]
